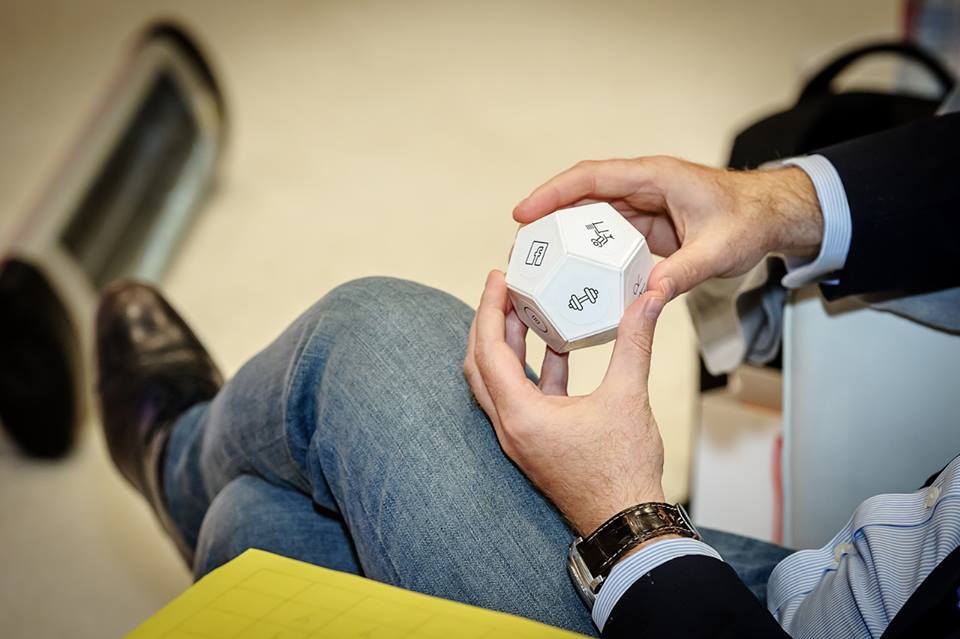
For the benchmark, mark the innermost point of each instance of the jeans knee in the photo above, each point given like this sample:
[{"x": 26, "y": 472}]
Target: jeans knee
[
  {"x": 369, "y": 288},
  {"x": 381, "y": 307},
  {"x": 379, "y": 337}
]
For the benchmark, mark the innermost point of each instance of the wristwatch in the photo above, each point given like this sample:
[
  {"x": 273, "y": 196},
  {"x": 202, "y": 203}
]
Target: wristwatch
[{"x": 590, "y": 560}]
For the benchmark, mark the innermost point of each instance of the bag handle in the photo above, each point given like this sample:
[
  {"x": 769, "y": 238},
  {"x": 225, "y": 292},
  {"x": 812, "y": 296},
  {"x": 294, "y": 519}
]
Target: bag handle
[{"x": 819, "y": 85}]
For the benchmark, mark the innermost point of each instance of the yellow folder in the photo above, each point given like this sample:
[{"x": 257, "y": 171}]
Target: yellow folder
[{"x": 260, "y": 595}]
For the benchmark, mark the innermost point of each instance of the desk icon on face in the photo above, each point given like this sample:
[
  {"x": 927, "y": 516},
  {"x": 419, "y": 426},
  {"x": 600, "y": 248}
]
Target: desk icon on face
[
  {"x": 603, "y": 235},
  {"x": 535, "y": 254}
]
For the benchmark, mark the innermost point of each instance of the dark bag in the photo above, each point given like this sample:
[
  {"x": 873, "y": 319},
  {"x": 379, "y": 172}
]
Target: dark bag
[{"x": 821, "y": 117}]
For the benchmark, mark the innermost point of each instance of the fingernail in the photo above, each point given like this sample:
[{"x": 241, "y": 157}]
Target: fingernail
[
  {"x": 653, "y": 307},
  {"x": 667, "y": 288}
]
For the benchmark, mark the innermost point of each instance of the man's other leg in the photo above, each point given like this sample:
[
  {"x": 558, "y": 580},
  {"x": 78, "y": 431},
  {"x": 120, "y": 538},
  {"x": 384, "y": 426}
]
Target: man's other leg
[
  {"x": 752, "y": 559},
  {"x": 362, "y": 405},
  {"x": 251, "y": 513}
]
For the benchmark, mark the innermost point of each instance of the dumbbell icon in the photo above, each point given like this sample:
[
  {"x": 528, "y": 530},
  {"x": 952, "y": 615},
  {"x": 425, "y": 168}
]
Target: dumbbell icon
[{"x": 589, "y": 295}]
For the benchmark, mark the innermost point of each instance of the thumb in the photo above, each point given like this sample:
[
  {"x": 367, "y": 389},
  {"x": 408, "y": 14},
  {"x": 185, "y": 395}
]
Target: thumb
[
  {"x": 630, "y": 364},
  {"x": 685, "y": 268}
]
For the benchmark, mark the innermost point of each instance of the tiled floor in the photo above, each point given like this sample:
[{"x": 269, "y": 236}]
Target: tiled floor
[{"x": 368, "y": 138}]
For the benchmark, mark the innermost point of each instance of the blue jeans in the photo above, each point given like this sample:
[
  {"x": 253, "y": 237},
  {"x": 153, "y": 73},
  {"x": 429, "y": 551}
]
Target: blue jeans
[{"x": 353, "y": 442}]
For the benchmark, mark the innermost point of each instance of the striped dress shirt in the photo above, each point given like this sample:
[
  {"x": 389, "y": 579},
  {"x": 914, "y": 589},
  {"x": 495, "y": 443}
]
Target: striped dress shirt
[{"x": 856, "y": 584}]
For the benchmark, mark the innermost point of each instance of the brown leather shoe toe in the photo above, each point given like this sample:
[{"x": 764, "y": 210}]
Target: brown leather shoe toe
[{"x": 151, "y": 368}]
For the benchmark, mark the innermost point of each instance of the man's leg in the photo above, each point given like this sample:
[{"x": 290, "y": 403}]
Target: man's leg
[
  {"x": 752, "y": 559},
  {"x": 251, "y": 513},
  {"x": 361, "y": 404}
]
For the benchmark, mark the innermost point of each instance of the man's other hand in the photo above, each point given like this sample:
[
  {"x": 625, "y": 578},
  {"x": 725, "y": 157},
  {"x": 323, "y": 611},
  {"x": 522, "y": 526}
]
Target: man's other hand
[
  {"x": 592, "y": 456},
  {"x": 707, "y": 222}
]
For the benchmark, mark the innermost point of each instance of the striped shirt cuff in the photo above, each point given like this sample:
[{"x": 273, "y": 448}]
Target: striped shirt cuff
[
  {"x": 837, "y": 226},
  {"x": 628, "y": 571}
]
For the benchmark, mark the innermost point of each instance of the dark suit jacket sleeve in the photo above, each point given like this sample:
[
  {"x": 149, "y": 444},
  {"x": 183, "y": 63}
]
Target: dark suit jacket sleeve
[
  {"x": 903, "y": 186},
  {"x": 691, "y": 597}
]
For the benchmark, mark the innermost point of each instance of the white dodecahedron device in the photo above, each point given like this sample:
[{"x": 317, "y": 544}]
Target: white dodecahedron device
[{"x": 574, "y": 272}]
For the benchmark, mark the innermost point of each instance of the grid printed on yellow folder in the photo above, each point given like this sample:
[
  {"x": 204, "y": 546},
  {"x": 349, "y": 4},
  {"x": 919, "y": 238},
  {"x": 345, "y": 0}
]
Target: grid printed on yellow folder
[{"x": 260, "y": 595}]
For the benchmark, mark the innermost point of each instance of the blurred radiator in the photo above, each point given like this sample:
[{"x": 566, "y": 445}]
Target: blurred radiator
[{"x": 117, "y": 207}]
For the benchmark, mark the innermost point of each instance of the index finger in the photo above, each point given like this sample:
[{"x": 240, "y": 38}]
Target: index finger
[
  {"x": 499, "y": 366},
  {"x": 604, "y": 180}
]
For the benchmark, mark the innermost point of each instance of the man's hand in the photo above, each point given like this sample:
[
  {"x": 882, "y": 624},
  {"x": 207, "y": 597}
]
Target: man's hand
[
  {"x": 592, "y": 456},
  {"x": 707, "y": 222}
]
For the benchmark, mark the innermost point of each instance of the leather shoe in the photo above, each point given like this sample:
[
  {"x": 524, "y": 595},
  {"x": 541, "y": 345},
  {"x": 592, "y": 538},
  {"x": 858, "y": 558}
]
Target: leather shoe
[{"x": 151, "y": 368}]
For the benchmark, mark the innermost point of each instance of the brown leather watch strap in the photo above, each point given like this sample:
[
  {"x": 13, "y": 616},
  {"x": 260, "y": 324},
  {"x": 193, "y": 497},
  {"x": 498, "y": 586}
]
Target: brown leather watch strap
[{"x": 629, "y": 528}]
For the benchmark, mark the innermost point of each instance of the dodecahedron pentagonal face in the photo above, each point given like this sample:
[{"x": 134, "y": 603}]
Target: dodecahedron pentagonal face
[{"x": 574, "y": 272}]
